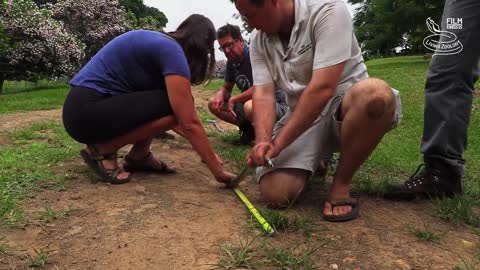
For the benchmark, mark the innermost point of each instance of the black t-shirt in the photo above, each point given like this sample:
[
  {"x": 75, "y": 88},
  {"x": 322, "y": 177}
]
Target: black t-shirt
[{"x": 241, "y": 75}]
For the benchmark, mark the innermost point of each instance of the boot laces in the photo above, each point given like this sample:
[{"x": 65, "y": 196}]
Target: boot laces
[{"x": 423, "y": 174}]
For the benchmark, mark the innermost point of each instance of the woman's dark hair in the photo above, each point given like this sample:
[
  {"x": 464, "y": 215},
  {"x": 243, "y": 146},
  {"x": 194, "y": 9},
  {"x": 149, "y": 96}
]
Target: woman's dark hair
[{"x": 196, "y": 35}]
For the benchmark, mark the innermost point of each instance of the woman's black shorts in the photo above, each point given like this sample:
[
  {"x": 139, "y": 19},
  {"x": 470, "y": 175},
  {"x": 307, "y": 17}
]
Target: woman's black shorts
[{"x": 90, "y": 116}]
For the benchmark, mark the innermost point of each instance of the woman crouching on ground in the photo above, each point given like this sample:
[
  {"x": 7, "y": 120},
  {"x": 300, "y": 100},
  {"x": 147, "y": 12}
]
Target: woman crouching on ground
[{"x": 136, "y": 87}]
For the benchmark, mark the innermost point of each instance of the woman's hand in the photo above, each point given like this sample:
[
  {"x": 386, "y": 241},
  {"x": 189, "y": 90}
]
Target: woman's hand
[{"x": 224, "y": 176}]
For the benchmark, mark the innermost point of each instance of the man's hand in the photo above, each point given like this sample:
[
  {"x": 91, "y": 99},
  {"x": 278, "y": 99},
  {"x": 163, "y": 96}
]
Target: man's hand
[
  {"x": 231, "y": 106},
  {"x": 217, "y": 101},
  {"x": 259, "y": 151}
]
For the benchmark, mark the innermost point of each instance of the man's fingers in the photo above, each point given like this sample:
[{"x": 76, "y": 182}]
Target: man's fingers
[
  {"x": 260, "y": 153},
  {"x": 233, "y": 113}
]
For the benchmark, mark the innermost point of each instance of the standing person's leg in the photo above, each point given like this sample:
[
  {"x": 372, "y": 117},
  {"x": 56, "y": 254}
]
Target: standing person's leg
[
  {"x": 449, "y": 90},
  {"x": 448, "y": 101},
  {"x": 367, "y": 113}
]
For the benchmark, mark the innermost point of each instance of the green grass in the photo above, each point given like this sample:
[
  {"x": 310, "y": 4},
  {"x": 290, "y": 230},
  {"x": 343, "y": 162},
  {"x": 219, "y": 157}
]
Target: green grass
[
  {"x": 27, "y": 162},
  {"x": 282, "y": 223},
  {"x": 467, "y": 264},
  {"x": 11, "y": 87},
  {"x": 3, "y": 247},
  {"x": 424, "y": 234},
  {"x": 50, "y": 214},
  {"x": 233, "y": 257},
  {"x": 458, "y": 210},
  {"x": 40, "y": 258},
  {"x": 215, "y": 85},
  {"x": 292, "y": 258},
  {"x": 247, "y": 255},
  {"x": 36, "y": 100}
]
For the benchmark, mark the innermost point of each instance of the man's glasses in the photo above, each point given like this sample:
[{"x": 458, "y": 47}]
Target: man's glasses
[{"x": 228, "y": 46}]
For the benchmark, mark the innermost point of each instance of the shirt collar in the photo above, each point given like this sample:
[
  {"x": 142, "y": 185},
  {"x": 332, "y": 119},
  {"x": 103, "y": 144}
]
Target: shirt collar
[
  {"x": 245, "y": 55},
  {"x": 301, "y": 14}
]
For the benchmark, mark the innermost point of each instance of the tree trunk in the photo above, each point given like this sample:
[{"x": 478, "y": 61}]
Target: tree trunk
[{"x": 2, "y": 79}]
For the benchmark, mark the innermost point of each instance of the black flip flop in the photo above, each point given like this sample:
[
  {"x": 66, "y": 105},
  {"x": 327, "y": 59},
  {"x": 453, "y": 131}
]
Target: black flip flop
[{"x": 345, "y": 217}]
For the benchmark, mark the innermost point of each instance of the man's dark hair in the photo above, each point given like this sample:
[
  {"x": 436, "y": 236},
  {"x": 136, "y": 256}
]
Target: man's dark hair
[
  {"x": 196, "y": 34},
  {"x": 258, "y": 3},
  {"x": 229, "y": 30}
]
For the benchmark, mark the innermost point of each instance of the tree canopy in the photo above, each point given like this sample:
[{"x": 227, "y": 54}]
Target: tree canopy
[
  {"x": 383, "y": 25},
  {"x": 54, "y": 38},
  {"x": 143, "y": 16}
]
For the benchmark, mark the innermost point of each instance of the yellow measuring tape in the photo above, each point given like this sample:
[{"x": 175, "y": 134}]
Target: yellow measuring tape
[{"x": 266, "y": 227}]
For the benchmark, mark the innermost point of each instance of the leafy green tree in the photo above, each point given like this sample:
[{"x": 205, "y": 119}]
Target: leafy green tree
[
  {"x": 383, "y": 25},
  {"x": 144, "y": 17}
]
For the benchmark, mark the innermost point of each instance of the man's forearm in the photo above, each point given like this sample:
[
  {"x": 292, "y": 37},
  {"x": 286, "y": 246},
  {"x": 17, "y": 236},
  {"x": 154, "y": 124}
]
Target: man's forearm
[
  {"x": 223, "y": 91},
  {"x": 243, "y": 97},
  {"x": 263, "y": 116}
]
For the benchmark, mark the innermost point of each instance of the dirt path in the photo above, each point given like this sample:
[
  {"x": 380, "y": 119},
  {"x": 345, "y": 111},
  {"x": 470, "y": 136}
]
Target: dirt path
[{"x": 179, "y": 222}]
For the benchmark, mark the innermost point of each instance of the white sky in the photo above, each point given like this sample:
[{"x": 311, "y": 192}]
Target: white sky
[{"x": 219, "y": 11}]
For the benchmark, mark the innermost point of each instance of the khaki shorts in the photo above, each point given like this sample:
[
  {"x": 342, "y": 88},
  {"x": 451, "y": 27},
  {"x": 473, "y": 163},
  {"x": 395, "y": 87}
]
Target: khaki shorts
[
  {"x": 280, "y": 109},
  {"x": 319, "y": 141}
]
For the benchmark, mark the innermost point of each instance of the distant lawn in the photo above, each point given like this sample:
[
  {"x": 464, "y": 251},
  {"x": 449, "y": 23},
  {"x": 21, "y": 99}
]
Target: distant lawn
[
  {"x": 30, "y": 101},
  {"x": 215, "y": 85},
  {"x": 12, "y": 87}
]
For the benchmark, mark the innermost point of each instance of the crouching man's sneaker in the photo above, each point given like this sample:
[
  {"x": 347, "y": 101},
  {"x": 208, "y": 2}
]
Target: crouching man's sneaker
[{"x": 428, "y": 181}]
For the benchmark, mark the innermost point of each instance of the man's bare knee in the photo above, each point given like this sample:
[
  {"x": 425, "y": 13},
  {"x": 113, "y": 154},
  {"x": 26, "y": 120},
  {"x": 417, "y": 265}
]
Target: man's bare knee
[
  {"x": 377, "y": 95},
  {"x": 281, "y": 187},
  {"x": 248, "y": 109}
]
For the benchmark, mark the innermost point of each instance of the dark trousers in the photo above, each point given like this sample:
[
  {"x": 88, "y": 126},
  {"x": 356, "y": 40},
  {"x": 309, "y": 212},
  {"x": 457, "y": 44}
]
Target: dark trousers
[{"x": 449, "y": 89}]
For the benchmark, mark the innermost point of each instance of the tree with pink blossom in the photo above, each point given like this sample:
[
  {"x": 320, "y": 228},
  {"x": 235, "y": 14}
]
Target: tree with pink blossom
[
  {"x": 37, "y": 45},
  {"x": 220, "y": 67},
  {"x": 95, "y": 22}
]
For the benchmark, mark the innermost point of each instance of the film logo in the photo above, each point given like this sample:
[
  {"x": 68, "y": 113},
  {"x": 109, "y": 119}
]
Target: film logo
[
  {"x": 454, "y": 23},
  {"x": 443, "y": 42}
]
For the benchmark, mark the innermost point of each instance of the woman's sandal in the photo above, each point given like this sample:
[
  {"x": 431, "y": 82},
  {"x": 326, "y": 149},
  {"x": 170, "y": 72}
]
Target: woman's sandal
[
  {"x": 95, "y": 161},
  {"x": 146, "y": 164}
]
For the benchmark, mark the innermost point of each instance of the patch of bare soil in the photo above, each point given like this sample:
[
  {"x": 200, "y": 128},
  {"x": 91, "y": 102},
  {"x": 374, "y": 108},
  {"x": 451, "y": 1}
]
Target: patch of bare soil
[
  {"x": 179, "y": 221},
  {"x": 12, "y": 121}
]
